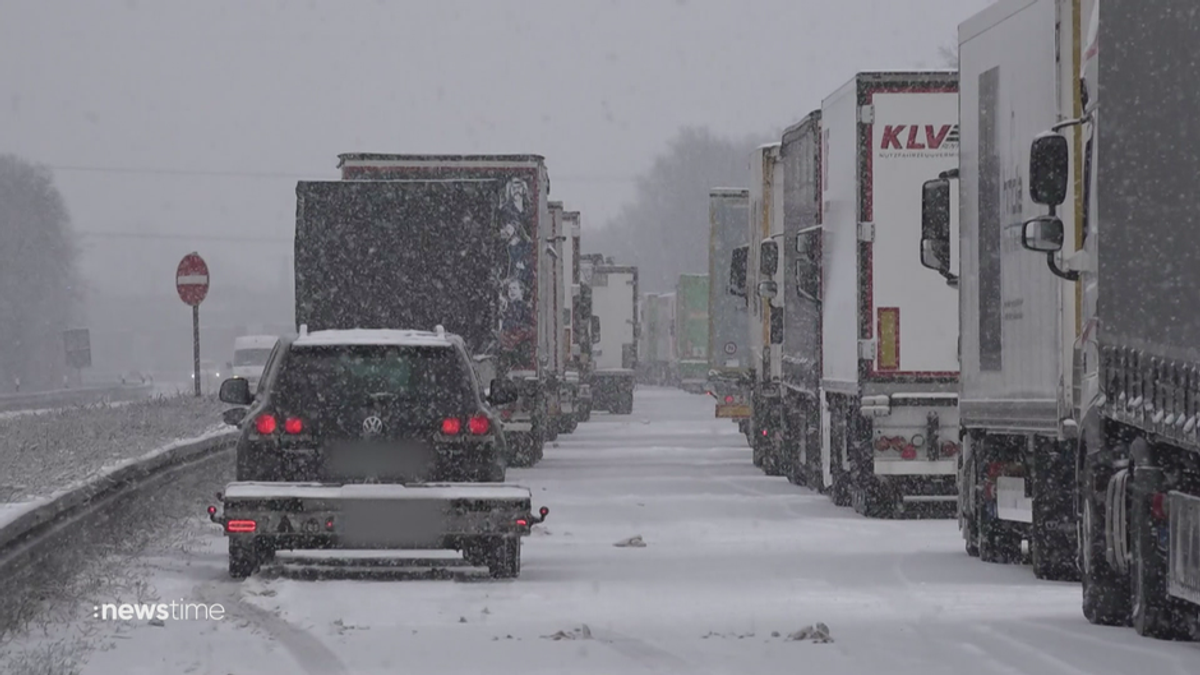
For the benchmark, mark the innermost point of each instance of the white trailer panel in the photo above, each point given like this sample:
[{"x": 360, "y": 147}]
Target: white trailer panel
[
  {"x": 614, "y": 300},
  {"x": 913, "y": 314},
  {"x": 1012, "y": 306},
  {"x": 839, "y": 190}
]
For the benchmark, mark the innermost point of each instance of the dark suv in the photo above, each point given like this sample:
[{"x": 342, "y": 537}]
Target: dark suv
[{"x": 368, "y": 406}]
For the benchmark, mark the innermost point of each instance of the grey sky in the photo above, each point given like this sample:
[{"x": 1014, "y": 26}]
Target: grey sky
[{"x": 274, "y": 87}]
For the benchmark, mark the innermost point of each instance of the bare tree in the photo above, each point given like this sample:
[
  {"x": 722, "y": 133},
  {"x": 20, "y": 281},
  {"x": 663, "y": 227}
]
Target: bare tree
[
  {"x": 38, "y": 276},
  {"x": 949, "y": 55},
  {"x": 664, "y": 231}
]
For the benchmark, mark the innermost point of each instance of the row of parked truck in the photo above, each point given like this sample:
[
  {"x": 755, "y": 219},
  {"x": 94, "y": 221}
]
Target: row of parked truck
[
  {"x": 485, "y": 254},
  {"x": 914, "y": 304},
  {"x": 675, "y": 335}
]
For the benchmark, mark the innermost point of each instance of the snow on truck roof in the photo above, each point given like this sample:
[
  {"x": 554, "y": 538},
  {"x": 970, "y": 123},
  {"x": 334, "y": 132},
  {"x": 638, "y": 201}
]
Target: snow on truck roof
[
  {"x": 386, "y": 159},
  {"x": 372, "y": 336}
]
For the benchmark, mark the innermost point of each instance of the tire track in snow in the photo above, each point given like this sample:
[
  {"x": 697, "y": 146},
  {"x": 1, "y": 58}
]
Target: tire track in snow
[
  {"x": 306, "y": 649},
  {"x": 648, "y": 655},
  {"x": 1176, "y": 660}
]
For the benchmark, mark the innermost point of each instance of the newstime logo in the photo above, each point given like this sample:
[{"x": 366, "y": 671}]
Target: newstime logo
[{"x": 163, "y": 611}]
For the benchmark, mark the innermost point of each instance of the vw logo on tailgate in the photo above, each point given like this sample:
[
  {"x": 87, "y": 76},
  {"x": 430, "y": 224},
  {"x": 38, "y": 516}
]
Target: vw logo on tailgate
[{"x": 372, "y": 426}]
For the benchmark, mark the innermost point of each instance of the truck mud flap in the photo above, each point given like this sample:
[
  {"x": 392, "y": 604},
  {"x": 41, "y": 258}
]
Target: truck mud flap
[{"x": 1183, "y": 566}]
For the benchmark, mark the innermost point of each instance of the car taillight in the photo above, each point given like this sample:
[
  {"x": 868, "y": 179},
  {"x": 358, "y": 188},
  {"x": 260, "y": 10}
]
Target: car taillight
[
  {"x": 479, "y": 425},
  {"x": 451, "y": 426},
  {"x": 293, "y": 425},
  {"x": 265, "y": 424}
]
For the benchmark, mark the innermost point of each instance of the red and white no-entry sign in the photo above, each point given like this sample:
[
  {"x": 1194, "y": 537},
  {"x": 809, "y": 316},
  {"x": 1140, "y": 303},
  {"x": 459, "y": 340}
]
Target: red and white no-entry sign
[{"x": 191, "y": 279}]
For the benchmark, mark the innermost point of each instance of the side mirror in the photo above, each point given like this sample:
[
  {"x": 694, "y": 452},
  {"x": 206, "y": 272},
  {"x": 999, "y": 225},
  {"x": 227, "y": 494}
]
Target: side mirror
[
  {"x": 739, "y": 261},
  {"x": 1043, "y": 234},
  {"x": 234, "y": 416},
  {"x": 502, "y": 392},
  {"x": 1049, "y": 164},
  {"x": 935, "y": 225},
  {"x": 595, "y": 329},
  {"x": 768, "y": 289},
  {"x": 236, "y": 391},
  {"x": 768, "y": 263}
]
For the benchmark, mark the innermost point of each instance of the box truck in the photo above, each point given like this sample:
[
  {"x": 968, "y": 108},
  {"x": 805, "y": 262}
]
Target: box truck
[
  {"x": 691, "y": 332},
  {"x": 616, "y": 333}
]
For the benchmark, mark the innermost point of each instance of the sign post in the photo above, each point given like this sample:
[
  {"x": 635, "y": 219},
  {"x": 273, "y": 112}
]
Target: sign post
[{"x": 191, "y": 282}]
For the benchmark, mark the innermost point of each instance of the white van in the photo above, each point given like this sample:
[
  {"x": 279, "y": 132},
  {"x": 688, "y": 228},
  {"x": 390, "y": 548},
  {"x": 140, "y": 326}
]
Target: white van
[{"x": 250, "y": 354}]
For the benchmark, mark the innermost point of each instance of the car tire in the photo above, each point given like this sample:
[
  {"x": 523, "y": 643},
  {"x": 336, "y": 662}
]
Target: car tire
[
  {"x": 244, "y": 557},
  {"x": 504, "y": 557}
]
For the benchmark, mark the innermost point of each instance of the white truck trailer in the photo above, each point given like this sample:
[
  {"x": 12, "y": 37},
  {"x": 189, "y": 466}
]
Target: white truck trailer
[
  {"x": 615, "y": 304},
  {"x": 1019, "y": 385},
  {"x": 567, "y": 246},
  {"x": 889, "y": 414},
  {"x": 765, "y": 327},
  {"x": 728, "y": 352}
]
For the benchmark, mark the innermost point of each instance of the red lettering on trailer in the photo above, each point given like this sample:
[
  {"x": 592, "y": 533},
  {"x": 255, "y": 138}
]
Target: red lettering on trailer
[
  {"x": 891, "y": 135},
  {"x": 935, "y": 140},
  {"x": 912, "y": 138}
]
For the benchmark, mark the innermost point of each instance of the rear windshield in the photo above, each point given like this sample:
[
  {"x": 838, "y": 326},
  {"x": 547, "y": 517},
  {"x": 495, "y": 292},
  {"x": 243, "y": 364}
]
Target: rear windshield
[
  {"x": 251, "y": 357},
  {"x": 353, "y": 374}
]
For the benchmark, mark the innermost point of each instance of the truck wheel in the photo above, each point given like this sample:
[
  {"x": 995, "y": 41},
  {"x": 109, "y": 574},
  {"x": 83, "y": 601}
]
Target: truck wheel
[
  {"x": 873, "y": 499},
  {"x": 244, "y": 558},
  {"x": 504, "y": 557},
  {"x": 1106, "y": 592},
  {"x": 569, "y": 424},
  {"x": 552, "y": 429},
  {"x": 1154, "y": 612}
]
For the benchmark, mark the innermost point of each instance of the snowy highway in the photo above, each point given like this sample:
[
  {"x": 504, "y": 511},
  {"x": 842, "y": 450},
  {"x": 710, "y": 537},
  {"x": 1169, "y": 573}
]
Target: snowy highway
[{"x": 734, "y": 563}]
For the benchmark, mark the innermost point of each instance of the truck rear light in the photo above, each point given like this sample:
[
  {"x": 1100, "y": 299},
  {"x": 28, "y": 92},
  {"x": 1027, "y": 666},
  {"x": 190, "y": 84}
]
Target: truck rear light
[
  {"x": 265, "y": 424},
  {"x": 918, "y": 440},
  {"x": 241, "y": 526},
  {"x": 293, "y": 425},
  {"x": 1158, "y": 506},
  {"x": 909, "y": 452},
  {"x": 506, "y": 414},
  {"x": 883, "y": 444},
  {"x": 479, "y": 425},
  {"x": 522, "y": 522},
  {"x": 949, "y": 449},
  {"x": 729, "y": 399},
  {"x": 451, "y": 426}
]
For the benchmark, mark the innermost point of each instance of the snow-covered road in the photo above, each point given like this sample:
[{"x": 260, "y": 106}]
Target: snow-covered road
[{"x": 734, "y": 562}]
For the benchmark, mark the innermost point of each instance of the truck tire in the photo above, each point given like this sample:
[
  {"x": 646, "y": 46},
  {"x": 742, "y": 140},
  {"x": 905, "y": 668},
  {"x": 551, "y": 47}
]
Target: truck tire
[
  {"x": 1154, "y": 613},
  {"x": 1106, "y": 592},
  {"x": 521, "y": 445},
  {"x": 552, "y": 429},
  {"x": 245, "y": 557},
  {"x": 504, "y": 557}
]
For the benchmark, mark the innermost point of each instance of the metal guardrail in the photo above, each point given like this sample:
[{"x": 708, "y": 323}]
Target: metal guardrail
[
  {"x": 60, "y": 398},
  {"x": 36, "y": 525}
]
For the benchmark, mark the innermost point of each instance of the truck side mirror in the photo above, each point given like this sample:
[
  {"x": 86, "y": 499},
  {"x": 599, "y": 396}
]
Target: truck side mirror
[
  {"x": 739, "y": 261},
  {"x": 502, "y": 392},
  {"x": 1043, "y": 234},
  {"x": 935, "y": 225},
  {"x": 768, "y": 258},
  {"x": 1049, "y": 164},
  {"x": 595, "y": 329}
]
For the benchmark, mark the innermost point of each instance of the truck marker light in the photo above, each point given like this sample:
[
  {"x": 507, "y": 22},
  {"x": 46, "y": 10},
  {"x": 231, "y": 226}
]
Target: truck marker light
[
  {"x": 522, "y": 522},
  {"x": 329, "y": 524},
  {"x": 293, "y": 425},
  {"x": 1158, "y": 506},
  {"x": 729, "y": 399},
  {"x": 451, "y": 426},
  {"x": 212, "y": 510},
  {"x": 479, "y": 425},
  {"x": 265, "y": 424},
  {"x": 241, "y": 526}
]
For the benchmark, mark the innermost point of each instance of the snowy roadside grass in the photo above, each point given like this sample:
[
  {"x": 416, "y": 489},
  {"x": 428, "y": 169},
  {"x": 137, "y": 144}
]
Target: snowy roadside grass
[{"x": 46, "y": 451}]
